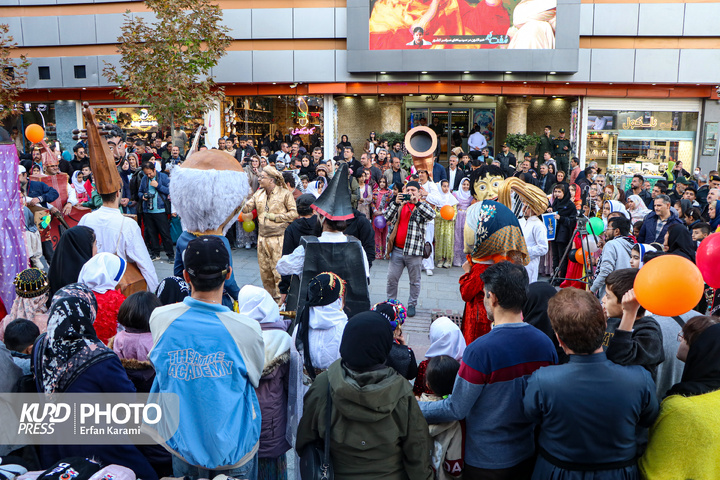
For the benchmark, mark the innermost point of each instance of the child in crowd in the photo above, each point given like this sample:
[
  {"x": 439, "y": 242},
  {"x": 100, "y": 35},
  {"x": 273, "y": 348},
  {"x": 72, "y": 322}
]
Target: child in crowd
[
  {"x": 447, "y": 453},
  {"x": 631, "y": 338},
  {"x": 272, "y": 391},
  {"x": 636, "y": 228},
  {"x": 446, "y": 338},
  {"x": 102, "y": 273},
  {"x": 401, "y": 357},
  {"x": 700, "y": 231},
  {"x": 134, "y": 343},
  {"x": 20, "y": 335},
  {"x": 444, "y": 229}
]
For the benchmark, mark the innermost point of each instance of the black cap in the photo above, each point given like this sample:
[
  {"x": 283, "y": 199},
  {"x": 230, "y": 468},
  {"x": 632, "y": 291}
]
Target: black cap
[
  {"x": 206, "y": 257},
  {"x": 562, "y": 130},
  {"x": 715, "y": 178}
]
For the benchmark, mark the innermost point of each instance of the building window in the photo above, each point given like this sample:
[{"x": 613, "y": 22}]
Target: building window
[
  {"x": 44, "y": 73},
  {"x": 80, "y": 71}
]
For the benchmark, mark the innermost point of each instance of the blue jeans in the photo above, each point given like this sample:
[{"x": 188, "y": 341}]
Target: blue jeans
[{"x": 249, "y": 471}]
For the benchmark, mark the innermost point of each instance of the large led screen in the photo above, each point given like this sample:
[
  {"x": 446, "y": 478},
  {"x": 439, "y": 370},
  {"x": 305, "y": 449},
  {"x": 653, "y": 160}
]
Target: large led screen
[{"x": 462, "y": 24}]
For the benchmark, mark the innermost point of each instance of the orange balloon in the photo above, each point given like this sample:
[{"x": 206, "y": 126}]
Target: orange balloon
[
  {"x": 579, "y": 255},
  {"x": 34, "y": 133},
  {"x": 447, "y": 212},
  {"x": 669, "y": 285}
]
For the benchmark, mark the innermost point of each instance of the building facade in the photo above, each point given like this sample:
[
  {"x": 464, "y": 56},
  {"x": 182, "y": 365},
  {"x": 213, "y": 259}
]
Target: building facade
[{"x": 633, "y": 82}]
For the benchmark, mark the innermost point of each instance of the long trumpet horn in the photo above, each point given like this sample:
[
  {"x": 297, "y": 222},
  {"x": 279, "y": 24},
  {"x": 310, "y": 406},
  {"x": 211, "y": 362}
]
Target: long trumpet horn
[{"x": 421, "y": 143}]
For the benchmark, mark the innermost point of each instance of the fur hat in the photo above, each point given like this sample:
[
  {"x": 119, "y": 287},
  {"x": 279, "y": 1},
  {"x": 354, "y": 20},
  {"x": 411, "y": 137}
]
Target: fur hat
[{"x": 208, "y": 190}]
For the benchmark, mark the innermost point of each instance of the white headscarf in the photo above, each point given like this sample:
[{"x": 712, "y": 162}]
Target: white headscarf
[
  {"x": 440, "y": 199},
  {"x": 615, "y": 206},
  {"x": 445, "y": 339},
  {"x": 643, "y": 248},
  {"x": 640, "y": 210},
  {"x": 461, "y": 194},
  {"x": 77, "y": 184},
  {"x": 312, "y": 187},
  {"x": 256, "y": 303},
  {"x": 102, "y": 272}
]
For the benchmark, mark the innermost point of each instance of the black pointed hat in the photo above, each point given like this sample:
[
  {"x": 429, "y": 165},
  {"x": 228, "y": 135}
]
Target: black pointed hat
[{"x": 334, "y": 202}]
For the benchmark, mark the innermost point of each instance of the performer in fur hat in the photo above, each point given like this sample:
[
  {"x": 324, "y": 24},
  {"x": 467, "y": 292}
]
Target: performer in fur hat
[{"x": 207, "y": 191}]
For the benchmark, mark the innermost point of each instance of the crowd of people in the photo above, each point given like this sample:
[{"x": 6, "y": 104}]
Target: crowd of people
[{"x": 562, "y": 380}]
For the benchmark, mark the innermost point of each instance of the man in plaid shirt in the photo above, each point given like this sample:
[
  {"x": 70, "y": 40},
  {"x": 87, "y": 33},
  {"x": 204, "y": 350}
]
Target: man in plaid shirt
[{"x": 410, "y": 218}]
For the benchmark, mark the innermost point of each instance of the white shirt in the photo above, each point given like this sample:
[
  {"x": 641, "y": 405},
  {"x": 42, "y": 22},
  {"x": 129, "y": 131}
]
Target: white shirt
[
  {"x": 537, "y": 243},
  {"x": 120, "y": 235},
  {"x": 293, "y": 263},
  {"x": 451, "y": 180},
  {"x": 477, "y": 141}
]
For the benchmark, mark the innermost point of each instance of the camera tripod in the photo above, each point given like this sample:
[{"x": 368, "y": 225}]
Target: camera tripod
[{"x": 585, "y": 239}]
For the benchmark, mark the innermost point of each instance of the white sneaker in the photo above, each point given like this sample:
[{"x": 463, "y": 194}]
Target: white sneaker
[
  {"x": 429, "y": 273},
  {"x": 247, "y": 246}
]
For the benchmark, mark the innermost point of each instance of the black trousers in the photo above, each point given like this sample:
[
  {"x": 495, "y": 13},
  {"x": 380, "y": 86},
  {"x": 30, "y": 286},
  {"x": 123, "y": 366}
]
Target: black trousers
[
  {"x": 157, "y": 224},
  {"x": 47, "y": 249},
  {"x": 558, "y": 249}
]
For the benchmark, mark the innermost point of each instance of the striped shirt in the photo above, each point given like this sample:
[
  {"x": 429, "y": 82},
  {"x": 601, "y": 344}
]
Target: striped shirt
[{"x": 488, "y": 394}]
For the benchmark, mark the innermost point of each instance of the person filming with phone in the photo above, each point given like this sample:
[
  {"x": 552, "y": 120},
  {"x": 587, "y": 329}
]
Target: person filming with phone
[{"x": 409, "y": 214}]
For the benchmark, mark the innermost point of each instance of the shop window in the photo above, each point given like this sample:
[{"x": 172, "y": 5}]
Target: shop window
[
  {"x": 43, "y": 73},
  {"x": 80, "y": 71}
]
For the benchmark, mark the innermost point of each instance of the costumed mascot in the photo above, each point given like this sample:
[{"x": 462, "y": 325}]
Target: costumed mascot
[
  {"x": 207, "y": 192},
  {"x": 492, "y": 234}
]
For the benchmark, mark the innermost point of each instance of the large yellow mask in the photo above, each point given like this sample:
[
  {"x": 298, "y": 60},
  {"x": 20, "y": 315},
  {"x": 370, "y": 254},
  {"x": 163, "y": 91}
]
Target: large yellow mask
[{"x": 485, "y": 182}]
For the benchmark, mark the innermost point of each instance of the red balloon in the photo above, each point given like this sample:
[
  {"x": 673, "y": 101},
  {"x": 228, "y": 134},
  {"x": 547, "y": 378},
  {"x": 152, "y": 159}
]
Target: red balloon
[
  {"x": 34, "y": 133},
  {"x": 708, "y": 259},
  {"x": 669, "y": 285}
]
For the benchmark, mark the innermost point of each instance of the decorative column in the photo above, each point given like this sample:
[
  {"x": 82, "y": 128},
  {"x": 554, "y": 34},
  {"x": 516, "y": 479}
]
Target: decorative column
[
  {"x": 517, "y": 108},
  {"x": 212, "y": 119},
  {"x": 391, "y": 114},
  {"x": 329, "y": 124}
]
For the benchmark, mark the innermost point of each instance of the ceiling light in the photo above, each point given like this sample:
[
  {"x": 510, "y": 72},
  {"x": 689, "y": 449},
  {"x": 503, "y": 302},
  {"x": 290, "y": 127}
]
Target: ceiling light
[
  {"x": 567, "y": 83},
  {"x": 553, "y": 73},
  {"x": 524, "y": 83},
  {"x": 610, "y": 83},
  {"x": 466, "y": 71},
  {"x": 508, "y": 72},
  {"x": 554, "y": 96},
  {"x": 383, "y": 73},
  {"x": 424, "y": 73},
  {"x": 354, "y": 94},
  {"x": 382, "y": 94},
  {"x": 654, "y": 83},
  {"x": 411, "y": 94}
]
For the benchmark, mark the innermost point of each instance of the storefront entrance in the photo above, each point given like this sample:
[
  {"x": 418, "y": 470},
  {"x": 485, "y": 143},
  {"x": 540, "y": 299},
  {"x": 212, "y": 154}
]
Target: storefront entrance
[{"x": 453, "y": 125}]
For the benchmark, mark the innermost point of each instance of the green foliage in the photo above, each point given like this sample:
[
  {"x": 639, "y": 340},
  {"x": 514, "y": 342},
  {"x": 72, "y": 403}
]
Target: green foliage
[
  {"x": 166, "y": 65},
  {"x": 407, "y": 162},
  {"x": 519, "y": 141},
  {"x": 392, "y": 137},
  {"x": 13, "y": 70}
]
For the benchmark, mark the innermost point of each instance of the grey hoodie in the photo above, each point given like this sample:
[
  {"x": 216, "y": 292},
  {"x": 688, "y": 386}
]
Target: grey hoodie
[{"x": 615, "y": 255}]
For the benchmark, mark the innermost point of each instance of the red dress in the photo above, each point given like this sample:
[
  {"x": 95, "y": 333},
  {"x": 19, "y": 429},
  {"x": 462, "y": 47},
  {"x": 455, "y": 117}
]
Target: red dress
[
  {"x": 475, "y": 320},
  {"x": 574, "y": 269},
  {"x": 106, "y": 319}
]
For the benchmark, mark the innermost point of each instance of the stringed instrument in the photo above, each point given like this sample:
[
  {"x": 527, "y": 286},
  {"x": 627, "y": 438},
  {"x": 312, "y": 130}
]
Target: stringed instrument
[{"x": 107, "y": 180}]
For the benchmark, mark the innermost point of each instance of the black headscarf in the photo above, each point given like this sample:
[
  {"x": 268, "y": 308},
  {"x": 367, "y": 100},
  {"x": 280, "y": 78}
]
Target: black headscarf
[
  {"x": 564, "y": 206},
  {"x": 366, "y": 341},
  {"x": 680, "y": 242},
  {"x": 685, "y": 206},
  {"x": 71, "y": 344},
  {"x": 702, "y": 368},
  {"x": 172, "y": 290},
  {"x": 322, "y": 290},
  {"x": 535, "y": 312},
  {"x": 73, "y": 250}
]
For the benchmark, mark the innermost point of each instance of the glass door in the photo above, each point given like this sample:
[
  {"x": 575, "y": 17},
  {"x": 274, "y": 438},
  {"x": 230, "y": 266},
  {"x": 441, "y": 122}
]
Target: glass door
[{"x": 459, "y": 129}]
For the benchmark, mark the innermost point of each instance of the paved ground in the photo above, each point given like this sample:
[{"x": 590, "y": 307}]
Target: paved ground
[{"x": 438, "y": 293}]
